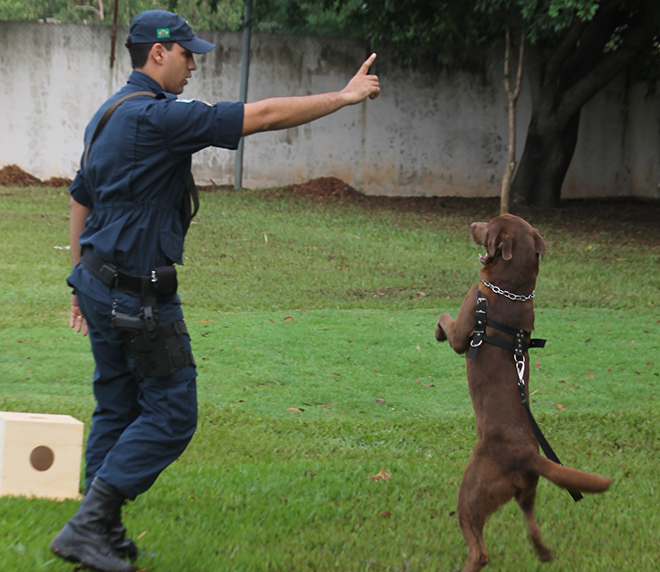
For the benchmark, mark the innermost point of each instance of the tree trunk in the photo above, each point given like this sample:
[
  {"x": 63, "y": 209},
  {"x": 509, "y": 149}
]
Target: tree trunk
[
  {"x": 547, "y": 154},
  {"x": 562, "y": 80},
  {"x": 512, "y": 93}
]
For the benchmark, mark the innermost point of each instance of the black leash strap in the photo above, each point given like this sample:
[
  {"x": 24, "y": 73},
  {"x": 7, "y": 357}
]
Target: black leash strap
[
  {"x": 547, "y": 449},
  {"x": 518, "y": 347}
]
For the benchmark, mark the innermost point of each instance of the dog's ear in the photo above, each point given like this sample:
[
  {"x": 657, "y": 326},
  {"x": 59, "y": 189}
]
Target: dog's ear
[
  {"x": 506, "y": 244},
  {"x": 491, "y": 243},
  {"x": 500, "y": 241},
  {"x": 539, "y": 244},
  {"x": 479, "y": 233}
]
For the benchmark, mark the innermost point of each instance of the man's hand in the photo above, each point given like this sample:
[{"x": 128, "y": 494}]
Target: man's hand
[
  {"x": 362, "y": 85},
  {"x": 77, "y": 320}
]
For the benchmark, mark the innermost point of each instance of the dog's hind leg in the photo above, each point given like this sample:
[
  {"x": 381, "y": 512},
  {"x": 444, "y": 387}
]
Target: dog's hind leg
[
  {"x": 485, "y": 487},
  {"x": 472, "y": 528},
  {"x": 481, "y": 492},
  {"x": 525, "y": 499},
  {"x": 472, "y": 516}
]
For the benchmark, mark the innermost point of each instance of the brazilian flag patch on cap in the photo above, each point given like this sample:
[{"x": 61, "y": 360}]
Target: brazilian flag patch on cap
[{"x": 163, "y": 33}]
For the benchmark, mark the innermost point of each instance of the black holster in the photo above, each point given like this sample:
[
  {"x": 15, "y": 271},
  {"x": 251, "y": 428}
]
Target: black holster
[
  {"x": 157, "y": 349},
  {"x": 159, "y": 352}
]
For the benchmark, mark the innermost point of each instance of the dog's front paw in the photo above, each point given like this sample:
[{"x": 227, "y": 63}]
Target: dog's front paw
[{"x": 440, "y": 334}]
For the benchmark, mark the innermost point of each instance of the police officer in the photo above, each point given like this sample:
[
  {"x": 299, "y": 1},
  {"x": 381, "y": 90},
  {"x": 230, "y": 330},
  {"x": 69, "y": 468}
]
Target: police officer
[{"x": 130, "y": 210}]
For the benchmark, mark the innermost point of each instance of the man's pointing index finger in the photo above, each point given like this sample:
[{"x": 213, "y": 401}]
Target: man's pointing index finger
[{"x": 364, "y": 68}]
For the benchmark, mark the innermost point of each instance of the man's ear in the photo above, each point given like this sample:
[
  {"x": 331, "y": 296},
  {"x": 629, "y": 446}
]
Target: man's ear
[{"x": 157, "y": 53}]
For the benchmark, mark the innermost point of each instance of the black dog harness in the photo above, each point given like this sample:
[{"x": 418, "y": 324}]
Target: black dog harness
[{"x": 518, "y": 347}]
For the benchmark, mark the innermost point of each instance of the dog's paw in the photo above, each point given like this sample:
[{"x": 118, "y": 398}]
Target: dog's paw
[
  {"x": 544, "y": 554},
  {"x": 440, "y": 334}
]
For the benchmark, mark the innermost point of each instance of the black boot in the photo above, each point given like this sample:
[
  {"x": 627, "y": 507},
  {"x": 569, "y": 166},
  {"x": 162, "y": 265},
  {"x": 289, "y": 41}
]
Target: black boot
[
  {"x": 85, "y": 538},
  {"x": 124, "y": 547}
]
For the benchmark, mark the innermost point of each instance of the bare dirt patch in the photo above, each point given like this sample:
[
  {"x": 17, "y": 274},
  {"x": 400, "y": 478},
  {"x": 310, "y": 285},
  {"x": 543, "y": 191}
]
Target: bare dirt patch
[
  {"x": 583, "y": 211},
  {"x": 56, "y": 182},
  {"x": 591, "y": 215},
  {"x": 14, "y": 176},
  {"x": 327, "y": 188},
  {"x": 585, "y": 215}
]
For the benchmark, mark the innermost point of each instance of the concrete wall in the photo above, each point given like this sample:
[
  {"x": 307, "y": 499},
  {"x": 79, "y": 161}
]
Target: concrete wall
[{"x": 438, "y": 128}]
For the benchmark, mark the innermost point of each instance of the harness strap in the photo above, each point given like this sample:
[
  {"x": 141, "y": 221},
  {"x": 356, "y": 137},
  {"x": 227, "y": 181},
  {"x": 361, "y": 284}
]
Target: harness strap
[
  {"x": 190, "y": 202},
  {"x": 518, "y": 346}
]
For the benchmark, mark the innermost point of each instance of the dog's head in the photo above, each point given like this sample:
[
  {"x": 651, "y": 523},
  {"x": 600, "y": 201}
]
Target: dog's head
[{"x": 512, "y": 245}]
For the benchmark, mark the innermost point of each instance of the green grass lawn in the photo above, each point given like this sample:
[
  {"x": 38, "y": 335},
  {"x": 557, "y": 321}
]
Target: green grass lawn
[{"x": 312, "y": 324}]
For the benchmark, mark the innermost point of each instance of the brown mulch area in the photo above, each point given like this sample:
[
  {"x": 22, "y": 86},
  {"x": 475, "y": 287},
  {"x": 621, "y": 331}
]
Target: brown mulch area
[
  {"x": 14, "y": 176},
  {"x": 334, "y": 189},
  {"x": 583, "y": 212},
  {"x": 595, "y": 214},
  {"x": 327, "y": 188}
]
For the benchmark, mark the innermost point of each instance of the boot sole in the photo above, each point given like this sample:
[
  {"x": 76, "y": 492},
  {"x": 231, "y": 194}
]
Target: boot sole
[
  {"x": 67, "y": 555},
  {"x": 70, "y": 556}
]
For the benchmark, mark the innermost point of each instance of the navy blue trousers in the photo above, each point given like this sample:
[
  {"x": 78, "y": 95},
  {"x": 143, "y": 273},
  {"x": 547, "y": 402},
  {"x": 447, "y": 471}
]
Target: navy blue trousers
[{"x": 138, "y": 428}]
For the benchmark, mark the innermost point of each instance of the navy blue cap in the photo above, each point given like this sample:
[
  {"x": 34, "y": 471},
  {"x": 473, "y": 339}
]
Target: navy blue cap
[{"x": 162, "y": 26}]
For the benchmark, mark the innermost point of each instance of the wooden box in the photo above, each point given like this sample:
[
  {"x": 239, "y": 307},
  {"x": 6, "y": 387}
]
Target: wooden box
[{"x": 40, "y": 455}]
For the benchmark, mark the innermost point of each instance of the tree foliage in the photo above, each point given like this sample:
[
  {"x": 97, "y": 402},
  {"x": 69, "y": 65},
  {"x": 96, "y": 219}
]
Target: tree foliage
[
  {"x": 419, "y": 25},
  {"x": 277, "y": 16},
  {"x": 203, "y": 14},
  {"x": 576, "y": 47},
  {"x": 311, "y": 17}
]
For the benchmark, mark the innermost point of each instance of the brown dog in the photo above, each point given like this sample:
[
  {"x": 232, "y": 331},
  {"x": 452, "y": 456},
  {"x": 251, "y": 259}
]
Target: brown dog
[{"x": 505, "y": 462}]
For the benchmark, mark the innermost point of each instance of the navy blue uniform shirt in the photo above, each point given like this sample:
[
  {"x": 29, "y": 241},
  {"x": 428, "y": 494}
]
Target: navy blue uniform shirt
[{"x": 138, "y": 169}]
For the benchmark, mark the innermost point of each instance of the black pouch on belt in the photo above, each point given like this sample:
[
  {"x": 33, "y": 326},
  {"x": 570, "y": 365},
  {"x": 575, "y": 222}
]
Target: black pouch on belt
[
  {"x": 161, "y": 352},
  {"x": 164, "y": 282}
]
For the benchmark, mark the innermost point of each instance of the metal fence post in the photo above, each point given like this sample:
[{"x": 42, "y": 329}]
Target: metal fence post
[{"x": 245, "y": 68}]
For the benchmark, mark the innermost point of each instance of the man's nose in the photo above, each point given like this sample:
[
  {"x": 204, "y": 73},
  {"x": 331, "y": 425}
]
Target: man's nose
[{"x": 191, "y": 63}]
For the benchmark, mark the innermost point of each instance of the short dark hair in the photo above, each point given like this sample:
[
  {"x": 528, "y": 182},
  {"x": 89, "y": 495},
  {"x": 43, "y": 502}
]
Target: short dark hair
[{"x": 140, "y": 52}]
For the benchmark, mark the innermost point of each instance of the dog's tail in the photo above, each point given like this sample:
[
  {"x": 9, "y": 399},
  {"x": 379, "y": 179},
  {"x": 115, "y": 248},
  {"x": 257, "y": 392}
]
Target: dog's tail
[{"x": 567, "y": 478}]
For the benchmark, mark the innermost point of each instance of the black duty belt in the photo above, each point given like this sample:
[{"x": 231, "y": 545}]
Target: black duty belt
[{"x": 111, "y": 275}]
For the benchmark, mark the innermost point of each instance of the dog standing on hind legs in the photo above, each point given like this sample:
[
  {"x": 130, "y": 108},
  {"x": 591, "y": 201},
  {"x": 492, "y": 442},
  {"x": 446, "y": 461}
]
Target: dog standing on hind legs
[{"x": 506, "y": 462}]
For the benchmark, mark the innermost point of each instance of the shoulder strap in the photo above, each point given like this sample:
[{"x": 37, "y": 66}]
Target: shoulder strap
[
  {"x": 191, "y": 195},
  {"x": 106, "y": 115},
  {"x": 190, "y": 202}
]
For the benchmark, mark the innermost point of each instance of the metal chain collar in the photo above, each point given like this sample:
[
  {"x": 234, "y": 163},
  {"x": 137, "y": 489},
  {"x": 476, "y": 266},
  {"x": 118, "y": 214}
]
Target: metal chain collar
[{"x": 509, "y": 295}]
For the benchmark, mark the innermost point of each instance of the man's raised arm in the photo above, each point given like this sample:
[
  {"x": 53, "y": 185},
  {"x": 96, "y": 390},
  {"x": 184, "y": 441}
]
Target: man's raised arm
[{"x": 285, "y": 112}]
